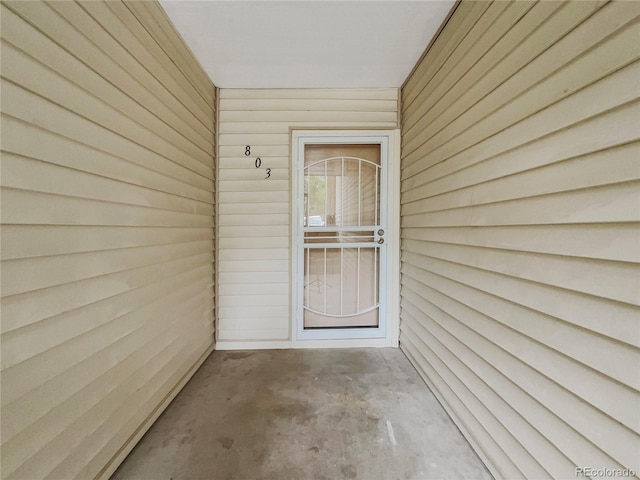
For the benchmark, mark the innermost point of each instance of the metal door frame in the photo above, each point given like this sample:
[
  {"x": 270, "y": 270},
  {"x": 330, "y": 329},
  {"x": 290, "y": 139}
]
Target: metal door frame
[{"x": 299, "y": 140}]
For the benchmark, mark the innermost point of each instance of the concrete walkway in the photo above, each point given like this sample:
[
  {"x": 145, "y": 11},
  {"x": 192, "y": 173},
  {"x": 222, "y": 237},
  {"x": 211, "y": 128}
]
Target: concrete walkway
[{"x": 304, "y": 414}]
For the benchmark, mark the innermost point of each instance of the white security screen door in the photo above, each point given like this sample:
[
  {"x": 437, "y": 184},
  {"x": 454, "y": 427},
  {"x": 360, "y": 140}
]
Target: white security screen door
[{"x": 342, "y": 245}]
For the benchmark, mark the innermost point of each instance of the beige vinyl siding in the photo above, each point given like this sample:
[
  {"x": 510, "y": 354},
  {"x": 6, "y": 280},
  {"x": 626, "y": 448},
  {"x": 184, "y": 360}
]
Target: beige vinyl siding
[
  {"x": 254, "y": 251},
  {"x": 108, "y": 145},
  {"x": 519, "y": 215}
]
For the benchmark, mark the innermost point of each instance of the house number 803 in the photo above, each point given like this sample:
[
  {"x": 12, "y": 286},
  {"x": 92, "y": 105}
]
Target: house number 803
[{"x": 258, "y": 161}]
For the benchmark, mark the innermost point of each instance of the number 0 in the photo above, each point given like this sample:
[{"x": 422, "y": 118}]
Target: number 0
[{"x": 258, "y": 162}]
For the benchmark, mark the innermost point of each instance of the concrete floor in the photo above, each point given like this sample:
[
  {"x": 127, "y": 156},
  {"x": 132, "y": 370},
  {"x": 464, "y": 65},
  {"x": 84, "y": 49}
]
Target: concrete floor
[{"x": 304, "y": 414}]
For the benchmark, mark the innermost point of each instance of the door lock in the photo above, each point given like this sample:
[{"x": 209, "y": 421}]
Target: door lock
[
  {"x": 381, "y": 241},
  {"x": 381, "y": 232}
]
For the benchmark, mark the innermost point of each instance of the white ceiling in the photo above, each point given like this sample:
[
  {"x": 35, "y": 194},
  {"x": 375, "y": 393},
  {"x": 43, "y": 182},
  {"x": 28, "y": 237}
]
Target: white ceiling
[{"x": 307, "y": 44}]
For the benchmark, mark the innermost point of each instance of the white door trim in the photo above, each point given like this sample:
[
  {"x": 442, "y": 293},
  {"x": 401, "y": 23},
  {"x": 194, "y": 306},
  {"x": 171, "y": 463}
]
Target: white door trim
[{"x": 387, "y": 334}]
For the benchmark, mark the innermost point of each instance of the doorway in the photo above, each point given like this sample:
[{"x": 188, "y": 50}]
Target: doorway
[{"x": 341, "y": 244}]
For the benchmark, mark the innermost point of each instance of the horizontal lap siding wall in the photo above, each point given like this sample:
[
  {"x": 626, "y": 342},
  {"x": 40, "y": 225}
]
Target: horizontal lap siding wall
[
  {"x": 254, "y": 213},
  {"x": 520, "y": 289},
  {"x": 107, "y": 235}
]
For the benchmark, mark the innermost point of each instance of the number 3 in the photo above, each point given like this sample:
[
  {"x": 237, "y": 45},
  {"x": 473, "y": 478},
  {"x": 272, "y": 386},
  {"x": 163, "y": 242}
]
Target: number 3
[{"x": 268, "y": 173}]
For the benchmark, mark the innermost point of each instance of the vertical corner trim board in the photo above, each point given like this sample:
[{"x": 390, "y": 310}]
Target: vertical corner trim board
[
  {"x": 253, "y": 301},
  {"x": 519, "y": 217},
  {"x": 108, "y": 146}
]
